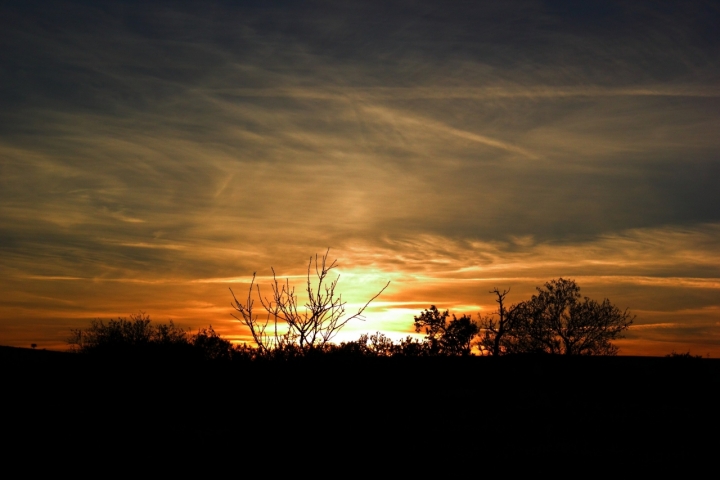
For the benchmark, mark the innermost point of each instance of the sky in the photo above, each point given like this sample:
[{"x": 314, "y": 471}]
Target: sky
[{"x": 154, "y": 155}]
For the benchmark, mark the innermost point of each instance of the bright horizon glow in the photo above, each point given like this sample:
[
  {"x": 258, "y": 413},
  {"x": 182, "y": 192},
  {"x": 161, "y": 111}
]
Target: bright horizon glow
[{"x": 419, "y": 285}]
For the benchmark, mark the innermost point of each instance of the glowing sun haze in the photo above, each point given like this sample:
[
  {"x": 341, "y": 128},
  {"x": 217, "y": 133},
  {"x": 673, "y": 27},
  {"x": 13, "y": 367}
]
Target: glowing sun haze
[{"x": 153, "y": 156}]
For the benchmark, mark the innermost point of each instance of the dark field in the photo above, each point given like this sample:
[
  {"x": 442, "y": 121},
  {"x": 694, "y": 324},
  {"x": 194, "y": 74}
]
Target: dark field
[{"x": 511, "y": 409}]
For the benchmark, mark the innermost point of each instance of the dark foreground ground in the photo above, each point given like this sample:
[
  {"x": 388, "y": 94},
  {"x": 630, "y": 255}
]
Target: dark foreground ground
[{"x": 511, "y": 411}]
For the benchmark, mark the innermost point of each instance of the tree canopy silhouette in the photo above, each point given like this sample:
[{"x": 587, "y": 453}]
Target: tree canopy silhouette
[
  {"x": 445, "y": 337},
  {"x": 557, "y": 320}
]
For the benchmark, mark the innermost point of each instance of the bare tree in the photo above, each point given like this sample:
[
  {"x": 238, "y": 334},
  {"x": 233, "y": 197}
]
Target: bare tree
[
  {"x": 493, "y": 331},
  {"x": 315, "y": 324}
]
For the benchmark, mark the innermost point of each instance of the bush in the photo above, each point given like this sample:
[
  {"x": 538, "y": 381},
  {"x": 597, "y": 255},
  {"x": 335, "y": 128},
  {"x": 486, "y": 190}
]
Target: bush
[
  {"x": 123, "y": 336},
  {"x": 686, "y": 355},
  {"x": 211, "y": 346},
  {"x": 138, "y": 336}
]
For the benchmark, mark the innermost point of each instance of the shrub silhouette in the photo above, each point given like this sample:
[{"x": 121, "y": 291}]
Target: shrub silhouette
[
  {"x": 686, "y": 355},
  {"x": 379, "y": 345},
  {"x": 139, "y": 337},
  {"x": 211, "y": 346},
  {"x": 135, "y": 335}
]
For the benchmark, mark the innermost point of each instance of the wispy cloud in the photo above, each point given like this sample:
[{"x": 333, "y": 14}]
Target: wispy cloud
[{"x": 384, "y": 94}]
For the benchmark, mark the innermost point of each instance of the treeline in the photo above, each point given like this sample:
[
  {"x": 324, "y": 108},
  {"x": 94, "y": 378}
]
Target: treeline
[
  {"x": 139, "y": 337},
  {"x": 557, "y": 320}
]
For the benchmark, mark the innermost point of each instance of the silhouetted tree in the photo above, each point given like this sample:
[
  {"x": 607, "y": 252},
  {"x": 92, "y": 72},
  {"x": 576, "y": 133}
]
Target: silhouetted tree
[
  {"x": 493, "y": 331},
  {"x": 307, "y": 328},
  {"x": 559, "y": 321},
  {"x": 445, "y": 337}
]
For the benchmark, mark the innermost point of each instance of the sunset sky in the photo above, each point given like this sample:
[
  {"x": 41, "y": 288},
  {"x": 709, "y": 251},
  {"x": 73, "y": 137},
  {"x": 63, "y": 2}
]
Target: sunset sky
[{"x": 153, "y": 156}]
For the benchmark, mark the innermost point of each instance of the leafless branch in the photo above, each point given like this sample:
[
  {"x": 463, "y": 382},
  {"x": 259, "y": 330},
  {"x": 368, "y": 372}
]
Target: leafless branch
[{"x": 315, "y": 325}]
